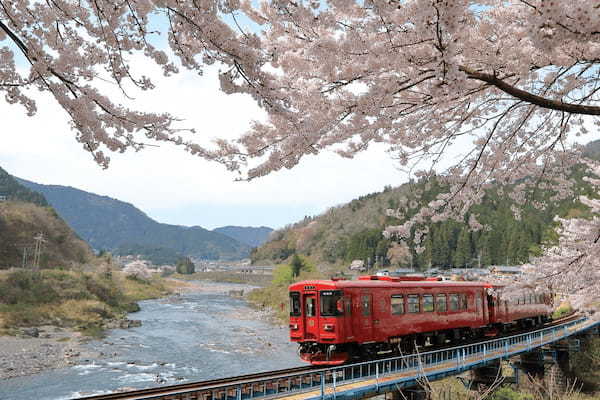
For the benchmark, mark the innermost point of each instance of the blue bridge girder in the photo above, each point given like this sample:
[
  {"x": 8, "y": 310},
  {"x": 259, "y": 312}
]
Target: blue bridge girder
[{"x": 381, "y": 376}]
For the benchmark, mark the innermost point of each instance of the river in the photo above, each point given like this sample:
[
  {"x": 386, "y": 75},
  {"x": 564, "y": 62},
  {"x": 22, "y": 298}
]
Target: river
[{"x": 196, "y": 336}]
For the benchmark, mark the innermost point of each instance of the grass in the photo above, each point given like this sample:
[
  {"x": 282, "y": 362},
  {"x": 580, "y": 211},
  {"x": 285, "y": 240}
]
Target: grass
[
  {"x": 562, "y": 310},
  {"x": 71, "y": 299},
  {"x": 275, "y": 296}
]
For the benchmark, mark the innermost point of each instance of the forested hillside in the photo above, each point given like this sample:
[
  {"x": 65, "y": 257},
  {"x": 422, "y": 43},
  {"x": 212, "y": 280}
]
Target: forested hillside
[
  {"x": 23, "y": 216},
  {"x": 13, "y": 190},
  {"x": 246, "y": 234},
  {"x": 110, "y": 224},
  {"x": 354, "y": 231}
]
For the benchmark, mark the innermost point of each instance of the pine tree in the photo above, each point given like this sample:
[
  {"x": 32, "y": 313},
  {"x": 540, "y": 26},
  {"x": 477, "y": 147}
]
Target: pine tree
[
  {"x": 296, "y": 265},
  {"x": 463, "y": 253}
]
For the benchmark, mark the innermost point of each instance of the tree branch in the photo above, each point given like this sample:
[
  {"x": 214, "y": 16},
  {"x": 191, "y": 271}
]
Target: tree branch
[{"x": 530, "y": 97}]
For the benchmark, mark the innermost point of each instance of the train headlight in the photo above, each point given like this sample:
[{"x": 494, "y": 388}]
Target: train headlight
[
  {"x": 294, "y": 327},
  {"x": 329, "y": 327}
]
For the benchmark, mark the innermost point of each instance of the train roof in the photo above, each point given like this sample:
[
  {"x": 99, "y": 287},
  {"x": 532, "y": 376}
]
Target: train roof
[{"x": 381, "y": 282}]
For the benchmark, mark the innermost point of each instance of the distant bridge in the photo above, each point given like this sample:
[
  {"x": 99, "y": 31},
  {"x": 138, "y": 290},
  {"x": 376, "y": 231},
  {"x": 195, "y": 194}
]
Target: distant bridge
[{"x": 365, "y": 379}]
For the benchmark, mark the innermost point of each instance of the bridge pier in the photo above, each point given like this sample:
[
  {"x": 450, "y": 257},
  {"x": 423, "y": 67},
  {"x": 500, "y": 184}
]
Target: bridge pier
[
  {"x": 414, "y": 393},
  {"x": 486, "y": 376},
  {"x": 548, "y": 366}
]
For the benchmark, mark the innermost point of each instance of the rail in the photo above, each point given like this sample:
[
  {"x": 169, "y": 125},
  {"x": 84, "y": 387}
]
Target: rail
[{"x": 332, "y": 383}]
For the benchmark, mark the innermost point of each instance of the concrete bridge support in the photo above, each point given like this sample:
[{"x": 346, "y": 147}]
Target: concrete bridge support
[
  {"x": 548, "y": 366},
  {"x": 414, "y": 393},
  {"x": 486, "y": 376}
]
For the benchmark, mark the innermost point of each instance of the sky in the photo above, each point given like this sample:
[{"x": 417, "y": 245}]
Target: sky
[{"x": 175, "y": 187}]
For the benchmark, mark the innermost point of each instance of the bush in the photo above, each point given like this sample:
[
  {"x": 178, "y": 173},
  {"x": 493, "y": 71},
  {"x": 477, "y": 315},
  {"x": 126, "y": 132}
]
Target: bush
[
  {"x": 185, "y": 266},
  {"x": 27, "y": 287},
  {"x": 507, "y": 393},
  {"x": 586, "y": 364}
]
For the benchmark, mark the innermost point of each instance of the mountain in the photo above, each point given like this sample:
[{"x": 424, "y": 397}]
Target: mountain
[
  {"x": 251, "y": 236},
  {"x": 353, "y": 231},
  {"x": 110, "y": 224},
  {"x": 25, "y": 215},
  {"x": 13, "y": 190}
]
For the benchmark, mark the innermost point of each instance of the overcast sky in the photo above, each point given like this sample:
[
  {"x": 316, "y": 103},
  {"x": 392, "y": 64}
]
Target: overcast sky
[{"x": 172, "y": 186}]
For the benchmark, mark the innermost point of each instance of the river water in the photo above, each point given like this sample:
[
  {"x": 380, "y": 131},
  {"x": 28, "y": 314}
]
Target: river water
[{"x": 196, "y": 336}]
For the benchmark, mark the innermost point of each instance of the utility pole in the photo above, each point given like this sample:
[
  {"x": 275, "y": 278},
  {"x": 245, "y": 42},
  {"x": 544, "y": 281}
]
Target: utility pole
[
  {"x": 39, "y": 239},
  {"x": 24, "y": 264}
]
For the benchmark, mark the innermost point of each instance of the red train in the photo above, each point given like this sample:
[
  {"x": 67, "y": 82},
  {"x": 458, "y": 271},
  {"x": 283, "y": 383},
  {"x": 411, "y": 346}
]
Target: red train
[{"x": 335, "y": 321}]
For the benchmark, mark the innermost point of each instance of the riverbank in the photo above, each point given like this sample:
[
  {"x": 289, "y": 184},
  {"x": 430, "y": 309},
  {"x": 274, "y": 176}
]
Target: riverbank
[
  {"x": 202, "y": 333},
  {"x": 34, "y": 339},
  {"x": 39, "y": 349},
  {"x": 31, "y": 350}
]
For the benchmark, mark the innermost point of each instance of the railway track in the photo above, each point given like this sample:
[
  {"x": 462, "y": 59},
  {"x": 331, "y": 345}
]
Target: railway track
[{"x": 266, "y": 382}]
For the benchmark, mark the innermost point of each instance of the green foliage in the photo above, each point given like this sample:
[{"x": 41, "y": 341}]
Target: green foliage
[
  {"x": 12, "y": 189},
  {"x": 245, "y": 234},
  {"x": 283, "y": 275},
  {"x": 586, "y": 364},
  {"x": 275, "y": 296},
  {"x": 156, "y": 254},
  {"x": 26, "y": 287},
  {"x": 185, "y": 266},
  {"x": 20, "y": 222},
  {"x": 562, "y": 310},
  {"x": 69, "y": 298},
  {"x": 368, "y": 245},
  {"x": 508, "y": 393},
  {"x": 296, "y": 265}
]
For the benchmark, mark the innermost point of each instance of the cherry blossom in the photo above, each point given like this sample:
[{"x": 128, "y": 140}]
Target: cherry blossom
[{"x": 505, "y": 87}]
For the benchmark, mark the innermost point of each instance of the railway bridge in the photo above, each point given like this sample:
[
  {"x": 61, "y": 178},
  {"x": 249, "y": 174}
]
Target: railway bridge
[{"x": 367, "y": 379}]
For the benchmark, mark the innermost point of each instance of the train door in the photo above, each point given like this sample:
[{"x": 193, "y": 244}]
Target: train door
[
  {"x": 311, "y": 316},
  {"x": 366, "y": 317},
  {"x": 491, "y": 305},
  {"x": 348, "y": 318}
]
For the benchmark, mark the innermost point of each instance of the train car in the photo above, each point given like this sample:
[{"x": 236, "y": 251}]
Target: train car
[{"x": 335, "y": 321}]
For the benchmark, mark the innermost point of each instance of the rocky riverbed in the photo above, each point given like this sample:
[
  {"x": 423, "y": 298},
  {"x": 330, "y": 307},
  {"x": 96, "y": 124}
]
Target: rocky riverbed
[{"x": 38, "y": 349}]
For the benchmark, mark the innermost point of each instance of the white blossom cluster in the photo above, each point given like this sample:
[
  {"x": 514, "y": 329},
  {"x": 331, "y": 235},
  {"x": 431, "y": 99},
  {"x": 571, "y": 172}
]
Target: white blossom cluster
[
  {"x": 571, "y": 268},
  {"x": 137, "y": 270},
  {"x": 512, "y": 82}
]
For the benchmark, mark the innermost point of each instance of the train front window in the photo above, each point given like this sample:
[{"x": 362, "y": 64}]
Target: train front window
[
  {"x": 331, "y": 305},
  {"x": 295, "y": 308}
]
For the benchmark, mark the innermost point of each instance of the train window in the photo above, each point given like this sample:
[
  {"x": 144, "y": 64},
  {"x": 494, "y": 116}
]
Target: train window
[
  {"x": 440, "y": 303},
  {"x": 310, "y": 307},
  {"x": 462, "y": 301},
  {"x": 397, "y": 303},
  {"x": 453, "y": 302},
  {"x": 428, "y": 303},
  {"x": 329, "y": 303},
  {"x": 413, "y": 303},
  {"x": 366, "y": 305},
  {"x": 295, "y": 308}
]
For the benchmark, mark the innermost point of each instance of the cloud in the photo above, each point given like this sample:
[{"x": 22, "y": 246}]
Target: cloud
[{"x": 163, "y": 181}]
